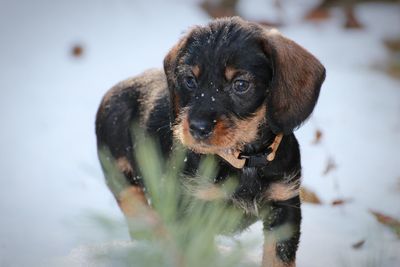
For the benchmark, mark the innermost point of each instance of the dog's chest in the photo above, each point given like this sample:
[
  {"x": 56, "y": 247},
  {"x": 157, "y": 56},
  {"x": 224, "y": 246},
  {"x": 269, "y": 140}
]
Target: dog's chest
[{"x": 232, "y": 184}]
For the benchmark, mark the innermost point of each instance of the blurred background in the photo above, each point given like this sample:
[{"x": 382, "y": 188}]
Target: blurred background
[{"x": 58, "y": 58}]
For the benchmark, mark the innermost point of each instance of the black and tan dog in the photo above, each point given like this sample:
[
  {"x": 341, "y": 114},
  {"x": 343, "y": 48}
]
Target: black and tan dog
[{"x": 233, "y": 89}]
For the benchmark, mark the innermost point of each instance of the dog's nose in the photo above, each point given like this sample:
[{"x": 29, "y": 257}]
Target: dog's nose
[{"x": 200, "y": 129}]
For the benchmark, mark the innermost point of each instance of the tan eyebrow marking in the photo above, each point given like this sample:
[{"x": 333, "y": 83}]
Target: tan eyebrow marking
[
  {"x": 230, "y": 73},
  {"x": 196, "y": 71}
]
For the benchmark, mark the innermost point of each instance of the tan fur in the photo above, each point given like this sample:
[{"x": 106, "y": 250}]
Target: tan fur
[
  {"x": 223, "y": 137},
  {"x": 209, "y": 193},
  {"x": 246, "y": 130},
  {"x": 274, "y": 147},
  {"x": 132, "y": 201},
  {"x": 196, "y": 71},
  {"x": 136, "y": 209},
  {"x": 271, "y": 238},
  {"x": 287, "y": 188},
  {"x": 219, "y": 137},
  {"x": 269, "y": 258},
  {"x": 123, "y": 165},
  {"x": 232, "y": 158},
  {"x": 203, "y": 189},
  {"x": 282, "y": 191},
  {"x": 273, "y": 32},
  {"x": 230, "y": 73}
]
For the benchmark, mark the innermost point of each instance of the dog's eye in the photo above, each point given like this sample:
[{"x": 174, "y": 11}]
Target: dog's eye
[
  {"x": 241, "y": 86},
  {"x": 190, "y": 82}
]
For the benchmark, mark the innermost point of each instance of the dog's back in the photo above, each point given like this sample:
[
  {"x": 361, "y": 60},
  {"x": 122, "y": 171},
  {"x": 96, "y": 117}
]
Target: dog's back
[{"x": 142, "y": 99}]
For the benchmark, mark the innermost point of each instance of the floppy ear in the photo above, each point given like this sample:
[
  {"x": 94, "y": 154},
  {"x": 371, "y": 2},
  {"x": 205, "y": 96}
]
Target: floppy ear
[
  {"x": 170, "y": 64},
  {"x": 296, "y": 82},
  {"x": 171, "y": 61}
]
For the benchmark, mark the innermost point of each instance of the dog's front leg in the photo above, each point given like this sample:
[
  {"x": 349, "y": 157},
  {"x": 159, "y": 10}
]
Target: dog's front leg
[
  {"x": 138, "y": 212},
  {"x": 281, "y": 233}
]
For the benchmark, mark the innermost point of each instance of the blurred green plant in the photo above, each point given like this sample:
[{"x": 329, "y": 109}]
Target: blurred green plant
[{"x": 189, "y": 225}]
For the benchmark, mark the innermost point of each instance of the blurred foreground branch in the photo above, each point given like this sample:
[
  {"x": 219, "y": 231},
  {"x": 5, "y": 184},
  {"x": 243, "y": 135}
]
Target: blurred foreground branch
[{"x": 190, "y": 224}]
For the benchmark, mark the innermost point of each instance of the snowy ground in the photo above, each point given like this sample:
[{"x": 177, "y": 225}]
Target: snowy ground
[{"x": 51, "y": 184}]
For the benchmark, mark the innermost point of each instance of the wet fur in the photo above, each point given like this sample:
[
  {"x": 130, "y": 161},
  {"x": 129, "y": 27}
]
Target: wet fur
[{"x": 285, "y": 81}]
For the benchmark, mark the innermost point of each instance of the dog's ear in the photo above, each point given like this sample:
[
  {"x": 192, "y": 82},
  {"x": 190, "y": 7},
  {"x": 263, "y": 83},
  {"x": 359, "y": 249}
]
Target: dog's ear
[
  {"x": 296, "y": 82},
  {"x": 171, "y": 61},
  {"x": 170, "y": 64}
]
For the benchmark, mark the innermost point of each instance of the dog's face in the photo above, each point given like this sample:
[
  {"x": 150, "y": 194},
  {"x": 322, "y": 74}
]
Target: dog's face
[{"x": 231, "y": 77}]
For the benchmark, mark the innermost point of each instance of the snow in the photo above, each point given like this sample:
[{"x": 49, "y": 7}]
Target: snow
[{"x": 51, "y": 183}]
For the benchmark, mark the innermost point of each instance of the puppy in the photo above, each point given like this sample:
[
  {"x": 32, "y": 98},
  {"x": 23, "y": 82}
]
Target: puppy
[{"x": 233, "y": 89}]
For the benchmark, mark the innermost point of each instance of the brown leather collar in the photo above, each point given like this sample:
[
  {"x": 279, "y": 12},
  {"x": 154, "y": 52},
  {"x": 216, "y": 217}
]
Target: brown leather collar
[{"x": 232, "y": 157}]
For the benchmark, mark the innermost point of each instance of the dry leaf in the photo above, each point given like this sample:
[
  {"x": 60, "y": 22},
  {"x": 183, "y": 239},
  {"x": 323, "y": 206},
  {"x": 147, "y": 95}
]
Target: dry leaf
[
  {"x": 352, "y": 21},
  {"x": 220, "y": 9},
  {"x": 317, "y": 138},
  {"x": 358, "y": 244},
  {"x": 308, "y": 196},
  {"x": 393, "y": 68},
  {"x": 330, "y": 165},
  {"x": 392, "y": 223},
  {"x": 77, "y": 50},
  {"x": 338, "y": 202},
  {"x": 392, "y": 44},
  {"x": 318, "y": 14}
]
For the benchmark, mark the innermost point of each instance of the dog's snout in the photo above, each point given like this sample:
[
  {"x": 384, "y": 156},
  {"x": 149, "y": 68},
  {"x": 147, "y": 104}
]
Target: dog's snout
[{"x": 200, "y": 128}]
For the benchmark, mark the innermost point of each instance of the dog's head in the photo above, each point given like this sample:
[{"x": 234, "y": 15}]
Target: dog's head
[{"x": 231, "y": 76}]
